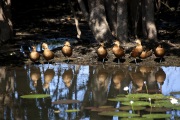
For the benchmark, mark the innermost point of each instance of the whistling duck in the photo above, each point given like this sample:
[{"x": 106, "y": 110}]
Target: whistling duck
[
  {"x": 47, "y": 54},
  {"x": 117, "y": 50},
  {"x": 48, "y": 76},
  {"x": 67, "y": 77},
  {"x": 159, "y": 52},
  {"x": 67, "y": 50},
  {"x": 102, "y": 52},
  {"x": 160, "y": 76},
  {"x": 34, "y": 55},
  {"x": 137, "y": 50},
  {"x": 145, "y": 54}
]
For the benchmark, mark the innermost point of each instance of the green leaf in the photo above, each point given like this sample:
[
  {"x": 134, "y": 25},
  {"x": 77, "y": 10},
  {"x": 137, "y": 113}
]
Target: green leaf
[
  {"x": 137, "y": 103},
  {"x": 72, "y": 110},
  {"x": 122, "y": 99},
  {"x": 130, "y": 108},
  {"x": 119, "y": 114},
  {"x": 34, "y": 96},
  {"x": 155, "y": 116}
]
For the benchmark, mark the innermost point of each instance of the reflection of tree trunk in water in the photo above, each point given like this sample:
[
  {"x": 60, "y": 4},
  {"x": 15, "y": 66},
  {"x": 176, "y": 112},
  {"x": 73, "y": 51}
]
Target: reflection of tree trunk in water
[{"x": 87, "y": 94}]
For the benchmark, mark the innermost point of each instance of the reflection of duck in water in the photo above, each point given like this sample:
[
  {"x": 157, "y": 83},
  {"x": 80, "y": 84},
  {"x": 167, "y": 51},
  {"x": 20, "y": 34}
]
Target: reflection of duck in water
[
  {"x": 160, "y": 76},
  {"x": 35, "y": 75},
  {"x": 138, "y": 79},
  {"x": 48, "y": 76},
  {"x": 67, "y": 77},
  {"x": 118, "y": 78}
]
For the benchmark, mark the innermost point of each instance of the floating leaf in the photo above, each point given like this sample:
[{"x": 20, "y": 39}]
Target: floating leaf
[
  {"x": 34, "y": 96},
  {"x": 158, "y": 96},
  {"x": 119, "y": 114},
  {"x": 65, "y": 101},
  {"x": 122, "y": 99},
  {"x": 142, "y": 95},
  {"x": 121, "y": 95},
  {"x": 155, "y": 116},
  {"x": 130, "y": 108},
  {"x": 136, "y": 118},
  {"x": 136, "y": 103},
  {"x": 72, "y": 110},
  {"x": 103, "y": 109},
  {"x": 157, "y": 109}
]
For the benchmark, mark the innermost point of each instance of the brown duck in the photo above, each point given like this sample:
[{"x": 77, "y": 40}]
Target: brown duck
[
  {"x": 102, "y": 52},
  {"x": 34, "y": 55},
  {"x": 159, "y": 52},
  {"x": 145, "y": 54},
  {"x": 117, "y": 50},
  {"x": 137, "y": 50},
  {"x": 67, "y": 49},
  {"x": 47, "y": 53}
]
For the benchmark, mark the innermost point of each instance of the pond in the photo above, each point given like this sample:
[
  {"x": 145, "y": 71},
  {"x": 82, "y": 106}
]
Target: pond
[{"x": 83, "y": 92}]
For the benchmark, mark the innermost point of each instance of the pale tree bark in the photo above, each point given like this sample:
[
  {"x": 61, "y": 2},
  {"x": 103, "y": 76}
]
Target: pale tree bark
[
  {"x": 6, "y": 29},
  {"x": 149, "y": 16},
  {"x": 122, "y": 28},
  {"x": 98, "y": 22}
]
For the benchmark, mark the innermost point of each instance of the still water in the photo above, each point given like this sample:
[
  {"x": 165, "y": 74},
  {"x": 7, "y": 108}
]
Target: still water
[{"x": 90, "y": 85}]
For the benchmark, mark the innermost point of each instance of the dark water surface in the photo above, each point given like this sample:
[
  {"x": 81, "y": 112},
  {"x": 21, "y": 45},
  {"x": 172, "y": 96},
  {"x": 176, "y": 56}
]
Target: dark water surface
[{"x": 90, "y": 85}]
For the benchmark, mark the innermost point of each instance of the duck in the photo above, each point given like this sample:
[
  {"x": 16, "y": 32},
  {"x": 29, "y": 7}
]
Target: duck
[
  {"x": 146, "y": 53},
  {"x": 47, "y": 53},
  {"x": 67, "y": 77},
  {"x": 159, "y": 52},
  {"x": 34, "y": 55},
  {"x": 117, "y": 50},
  {"x": 48, "y": 76},
  {"x": 137, "y": 50},
  {"x": 67, "y": 50},
  {"x": 102, "y": 52}
]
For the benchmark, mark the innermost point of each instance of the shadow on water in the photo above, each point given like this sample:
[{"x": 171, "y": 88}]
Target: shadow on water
[{"x": 90, "y": 85}]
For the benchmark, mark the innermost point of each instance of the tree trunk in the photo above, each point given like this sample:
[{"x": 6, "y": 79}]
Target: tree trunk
[
  {"x": 122, "y": 28},
  {"x": 5, "y": 21},
  {"x": 98, "y": 22},
  {"x": 149, "y": 16},
  {"x": 111, "y": 12}
]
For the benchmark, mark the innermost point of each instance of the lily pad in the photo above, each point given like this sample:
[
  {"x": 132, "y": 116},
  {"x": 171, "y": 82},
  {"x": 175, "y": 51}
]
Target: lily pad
[
  {"x": 139, "y": 95},
  {"x": 122, "y": 99},
  {"x": 136, "y": 103},
  {"x": 72, "y": 110},
  {"x": 65, "y": 101},
  {"x": 159, "y": 96},
  {"x": 155, "y": 116},
  {"x": 34, "y": 96},
  {"x": 119, "y": 114},
  {"x": 130, "y": 108},
  {"x": 157, "y": 109},
  {"x": 137, "y": 118},
  {"x": 103, "y": 109}
]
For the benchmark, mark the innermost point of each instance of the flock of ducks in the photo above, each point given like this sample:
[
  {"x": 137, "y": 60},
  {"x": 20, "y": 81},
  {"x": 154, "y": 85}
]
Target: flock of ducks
[{"x": 137, "y": 52}]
